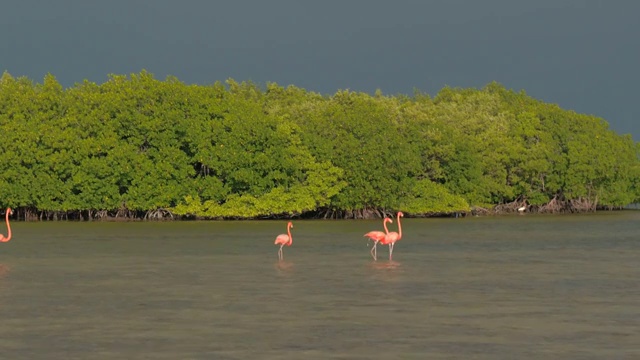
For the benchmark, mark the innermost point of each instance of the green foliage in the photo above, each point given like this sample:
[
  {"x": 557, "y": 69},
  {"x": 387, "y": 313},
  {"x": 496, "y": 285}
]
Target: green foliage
[
  {"x": 320, "y": 183},
  {"x": 428, "y": 197},
  {"x": 233, "y": 150}
]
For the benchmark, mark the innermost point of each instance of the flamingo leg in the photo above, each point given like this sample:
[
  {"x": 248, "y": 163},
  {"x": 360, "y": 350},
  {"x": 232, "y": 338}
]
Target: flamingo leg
[
  {"x": 374, "y": 252},
  {"x": 280, "y": 257},
  {"x": 391, "y": 251}
]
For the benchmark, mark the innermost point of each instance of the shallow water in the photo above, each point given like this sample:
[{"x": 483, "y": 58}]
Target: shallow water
[{"x": 534, "y": 287}]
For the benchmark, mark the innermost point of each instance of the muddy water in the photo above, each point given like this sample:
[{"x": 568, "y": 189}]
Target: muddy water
[{"x": 534, "y": 287}]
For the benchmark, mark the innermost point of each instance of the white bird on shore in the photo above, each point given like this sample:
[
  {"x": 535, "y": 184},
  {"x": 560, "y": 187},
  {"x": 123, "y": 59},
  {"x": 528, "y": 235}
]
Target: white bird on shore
[{"x": 522, "y": 208}]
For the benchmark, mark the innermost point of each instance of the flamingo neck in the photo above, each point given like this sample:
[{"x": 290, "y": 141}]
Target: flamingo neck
[
  {"x": 8, "y": 227},
  {"x": 385, "y": 226},
  {"x": 289, "y": 233},
  {"x": 399, "y": 227}
]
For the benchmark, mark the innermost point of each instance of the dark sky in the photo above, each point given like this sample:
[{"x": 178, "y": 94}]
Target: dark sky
[{"x": 580, "y": 54}]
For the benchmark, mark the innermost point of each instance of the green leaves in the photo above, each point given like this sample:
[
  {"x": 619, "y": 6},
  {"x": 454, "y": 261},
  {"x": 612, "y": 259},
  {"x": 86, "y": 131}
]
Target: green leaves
[
  {"x": 235, "y": 151},
  {"x": 258, "y": 166},
  {"x": 427, "y": 197}
]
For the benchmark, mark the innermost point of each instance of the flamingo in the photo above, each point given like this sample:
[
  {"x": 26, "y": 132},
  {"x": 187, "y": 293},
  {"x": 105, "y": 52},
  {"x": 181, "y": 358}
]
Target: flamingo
[
  {"x": 284, "y": 239},
  {"x": 8, "y": 237},
  {"x": 391, "y": 238},
  {"x": 377, "y": 236}
]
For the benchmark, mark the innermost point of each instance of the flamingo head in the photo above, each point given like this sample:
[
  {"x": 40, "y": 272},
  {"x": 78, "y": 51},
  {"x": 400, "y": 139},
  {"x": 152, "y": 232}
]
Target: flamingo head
[
  {"x": 400, "y": 214},
  {"x": 388, "y": 220},
  {"x": 290, "y": 224},
  {"x": 9, "y": 211}
]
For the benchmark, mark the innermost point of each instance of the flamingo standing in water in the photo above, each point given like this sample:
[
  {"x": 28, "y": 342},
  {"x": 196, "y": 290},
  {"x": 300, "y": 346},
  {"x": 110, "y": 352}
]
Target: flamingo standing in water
[
  {"x": 391, "y": 238},
  {"x": 8, "y": 237},
  {"x": 284, "y": 239},
  {"x": 377, "y": 236}
]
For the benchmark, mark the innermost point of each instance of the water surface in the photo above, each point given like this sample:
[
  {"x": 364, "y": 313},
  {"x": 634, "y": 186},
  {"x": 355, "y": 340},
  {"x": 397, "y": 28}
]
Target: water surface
[{"x": 534, "y": 287}]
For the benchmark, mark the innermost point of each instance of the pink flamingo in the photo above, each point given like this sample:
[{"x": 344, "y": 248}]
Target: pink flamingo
[
  {"x": 8, "y": 237},
  {"x": 391, "y": 238},
  {"x": 377, "y": 236},
  {"x": 284, "y": 239}
]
